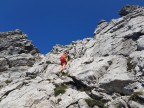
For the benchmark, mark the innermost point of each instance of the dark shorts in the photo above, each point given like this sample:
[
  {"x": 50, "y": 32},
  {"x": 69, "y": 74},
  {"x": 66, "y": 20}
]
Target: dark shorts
[{"x": 63, "y": 62}]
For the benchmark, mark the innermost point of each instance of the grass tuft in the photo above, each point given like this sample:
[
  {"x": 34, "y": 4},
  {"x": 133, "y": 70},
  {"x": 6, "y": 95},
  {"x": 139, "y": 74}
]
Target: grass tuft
[
  {"x": 60, "y": 89},
  {"x": 135, "y": 96},
  {"x": 8, "y": 81},
  {"x": 48, "y": 62},
  {"x": 130, "y": 65},
  {"x": 92, "y": 103},
  {"x": 65, "y": 74}
]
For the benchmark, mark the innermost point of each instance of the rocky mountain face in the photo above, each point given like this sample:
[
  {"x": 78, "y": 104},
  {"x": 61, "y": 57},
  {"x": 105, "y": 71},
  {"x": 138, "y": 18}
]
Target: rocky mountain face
[{"x": 106, "y": 71}]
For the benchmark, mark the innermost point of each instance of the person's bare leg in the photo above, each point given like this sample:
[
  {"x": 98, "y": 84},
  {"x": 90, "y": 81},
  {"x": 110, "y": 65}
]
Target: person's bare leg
[
  {"x": 64, "y": 66},
  {"x": 61, "y": 68}
]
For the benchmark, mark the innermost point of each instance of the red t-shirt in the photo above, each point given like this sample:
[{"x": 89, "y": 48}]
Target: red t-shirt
[{"x": 63, "y": 58}]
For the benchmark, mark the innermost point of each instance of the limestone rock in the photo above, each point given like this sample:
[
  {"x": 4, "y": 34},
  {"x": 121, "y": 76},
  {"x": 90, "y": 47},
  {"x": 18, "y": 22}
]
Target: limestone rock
[
  {"x": 15, "y": 42},
  {"x": 118, "y": 103},
  {"x": 82, "y": 104},
  {"x": 72, "y": 97},
  {"x": 107, "y": 69},
  {"x": 33, "y": 95},
  {"x": 134, "y": 104}
]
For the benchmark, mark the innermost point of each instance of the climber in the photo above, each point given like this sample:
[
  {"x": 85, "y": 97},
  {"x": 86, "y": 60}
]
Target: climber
[{"x": 64, "y": 59}]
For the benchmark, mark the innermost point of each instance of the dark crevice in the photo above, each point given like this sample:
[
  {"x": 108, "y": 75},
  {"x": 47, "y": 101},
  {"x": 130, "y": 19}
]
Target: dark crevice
[
  {"x": 8, "y": 62},
  {"x": 22, "y": 51},
  {"x": 117, "y": 28},
  {"x": 31, "y": 75},
  {"x": 72, "y": 104},
  {"x": 135, "y": 36},
  {"x": 29, "y": 48},
  {"x": 2, "y": 48},
  {"x": 8, "y": 92},
  {"x": 79, "y": 85},
  {"x": 124, "y": 55}
]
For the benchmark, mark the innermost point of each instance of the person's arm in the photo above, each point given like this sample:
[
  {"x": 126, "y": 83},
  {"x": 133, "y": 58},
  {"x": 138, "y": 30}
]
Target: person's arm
[{"x": 68, "y": 57}]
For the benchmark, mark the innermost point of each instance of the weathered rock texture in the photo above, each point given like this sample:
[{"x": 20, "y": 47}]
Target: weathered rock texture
[{"x": 106, "y": 71}]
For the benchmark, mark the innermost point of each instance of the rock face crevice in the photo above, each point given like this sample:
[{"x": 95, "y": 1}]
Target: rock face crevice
[{"x": 104, "y": 71}]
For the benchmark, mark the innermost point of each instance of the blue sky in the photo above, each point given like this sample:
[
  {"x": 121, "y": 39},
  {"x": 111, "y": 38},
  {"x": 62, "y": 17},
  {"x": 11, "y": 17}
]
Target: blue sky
[{"x": 50, "y": 22}]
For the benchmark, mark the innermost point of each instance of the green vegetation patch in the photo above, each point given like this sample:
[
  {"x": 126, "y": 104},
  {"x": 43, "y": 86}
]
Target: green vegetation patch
[
  {"x": 60, "y": 89},
  {"x": 130, "y": 65},
  {"x": 135, "y": 96},
  {"x": 8, "y": 81},
  {"x": 48, "y": 62},
  {"x": 19, "y": 44},
  {"x": 92, "y": 103},
  {"x": 65, "y": 74}
]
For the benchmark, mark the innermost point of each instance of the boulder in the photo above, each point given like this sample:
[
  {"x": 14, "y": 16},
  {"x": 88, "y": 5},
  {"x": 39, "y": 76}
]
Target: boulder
[
  {"x": 33, "y": 95},
  {"x": 71, "y": 97},
  {"x": 134, "y": 104}
]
